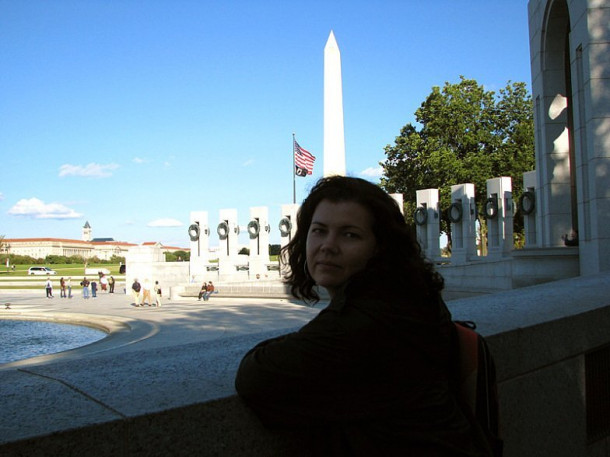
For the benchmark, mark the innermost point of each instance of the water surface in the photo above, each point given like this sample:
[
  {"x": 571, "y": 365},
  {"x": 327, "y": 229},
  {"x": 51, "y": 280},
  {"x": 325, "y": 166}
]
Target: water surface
[{"x": 24, "y": 339}]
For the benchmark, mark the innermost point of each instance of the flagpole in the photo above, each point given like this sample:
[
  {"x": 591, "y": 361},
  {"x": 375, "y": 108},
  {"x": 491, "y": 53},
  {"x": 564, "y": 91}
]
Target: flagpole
[{"x": 294, "y": 186}]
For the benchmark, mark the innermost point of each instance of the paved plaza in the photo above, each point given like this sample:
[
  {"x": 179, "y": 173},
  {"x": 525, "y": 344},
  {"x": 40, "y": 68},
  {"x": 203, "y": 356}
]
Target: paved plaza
[
  {"x": 176, "y": 322},
  {"x": 154, "y": 359}
]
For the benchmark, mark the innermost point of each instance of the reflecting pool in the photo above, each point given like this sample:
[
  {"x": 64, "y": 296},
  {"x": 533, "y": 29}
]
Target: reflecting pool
[{"x": 24, "y": 339}]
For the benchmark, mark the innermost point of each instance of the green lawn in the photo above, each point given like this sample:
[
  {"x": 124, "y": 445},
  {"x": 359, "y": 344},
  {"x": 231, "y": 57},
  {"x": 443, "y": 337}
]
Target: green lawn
[
  {"x": 20, "y": 279},
  {"x": 68, "y": 269}
]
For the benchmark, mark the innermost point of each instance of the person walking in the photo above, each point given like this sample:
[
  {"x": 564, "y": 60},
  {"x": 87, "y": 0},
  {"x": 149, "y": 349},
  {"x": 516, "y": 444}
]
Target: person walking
[
  {"x": 49, "y": 288},
  {"x": 146, "y": 298},
  {"x": 111, "y": 284},
  {"x": 85, "y": 283},
  {"x": 69, "y": 286},
  {"x": 93, "y": 289},
  {"x": 104, "y": 283},
  {"x": 62, "y": 288},
  {"x": 157, "y": 294},
  {"x": 135, "y": 289}
]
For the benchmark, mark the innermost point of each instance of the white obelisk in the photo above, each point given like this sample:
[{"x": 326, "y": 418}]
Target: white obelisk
[{"x": 334, "y": 137}]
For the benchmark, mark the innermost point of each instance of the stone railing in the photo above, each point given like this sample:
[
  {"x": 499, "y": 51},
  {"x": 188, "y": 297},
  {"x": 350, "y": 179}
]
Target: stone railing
[{"x": 550, "y": 343}]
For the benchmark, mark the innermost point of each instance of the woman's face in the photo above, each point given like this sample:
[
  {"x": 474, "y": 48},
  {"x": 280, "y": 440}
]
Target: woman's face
[{"x": 340, "y": 242}]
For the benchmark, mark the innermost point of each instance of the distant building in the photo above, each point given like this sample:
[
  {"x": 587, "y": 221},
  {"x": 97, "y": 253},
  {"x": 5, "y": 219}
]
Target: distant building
[
  {"x": 87, "y": 232},
  {"x": 102, "y": 248},
  {"x": 39, "y": 248}
]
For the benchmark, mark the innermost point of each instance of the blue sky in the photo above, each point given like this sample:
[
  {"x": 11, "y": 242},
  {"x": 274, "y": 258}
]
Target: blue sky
[{"x": 131, "y": 114}]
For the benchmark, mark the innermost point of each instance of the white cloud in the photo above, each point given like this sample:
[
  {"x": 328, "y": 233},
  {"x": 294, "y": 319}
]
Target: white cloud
[
  {"x": 247, "y": 163},
  {"x": 1, "y": 196},
  {"x": 37, "y": 209},
  {"x": 372, "y": 172},
  {"x": 165, "y": 223},
  {"x": 92, "y": 170},
  {"x": 138, "y": 160}
]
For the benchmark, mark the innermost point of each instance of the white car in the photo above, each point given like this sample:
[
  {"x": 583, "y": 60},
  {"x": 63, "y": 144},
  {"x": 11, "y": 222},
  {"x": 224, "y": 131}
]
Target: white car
[{"x": 41, "y": 271}]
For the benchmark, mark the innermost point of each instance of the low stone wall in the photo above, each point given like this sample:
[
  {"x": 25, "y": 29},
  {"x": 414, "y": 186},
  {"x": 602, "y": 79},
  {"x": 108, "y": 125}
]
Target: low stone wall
[
  {"x": 246, "y": 289},
  {"x": 180, "y": 400},
  {"x": 526, "y": 267}
]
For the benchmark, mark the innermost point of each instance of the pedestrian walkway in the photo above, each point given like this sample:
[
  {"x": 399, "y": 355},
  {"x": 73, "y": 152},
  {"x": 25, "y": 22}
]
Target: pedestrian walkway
[
  {"x": 176, "y": 322},
  {"x": 154, "y": 359}
]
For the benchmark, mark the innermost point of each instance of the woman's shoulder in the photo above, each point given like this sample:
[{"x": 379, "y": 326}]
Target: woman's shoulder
[{"x": 395, "y": 301}]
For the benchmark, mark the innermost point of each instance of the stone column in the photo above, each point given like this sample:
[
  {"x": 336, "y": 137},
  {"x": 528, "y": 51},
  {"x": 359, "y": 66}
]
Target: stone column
[
  {"x": 288, "y": 228},
  {"x": 199, "y": 235},
  {"x": 463, "y": 216},
  {"x": 399, "y": 199},
  {"x": 427, "y": 222},
  {"x": 258, "y": 232},
  {"x": 498, "y": 211},
  {"x": 228, "y": 232},
  {"x": 528, "y": 205}
]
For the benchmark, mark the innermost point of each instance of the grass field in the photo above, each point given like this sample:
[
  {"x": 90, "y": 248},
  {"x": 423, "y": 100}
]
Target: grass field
[
  {"x": 69, "y": 269},
  {"x": 19, "y": 279}
]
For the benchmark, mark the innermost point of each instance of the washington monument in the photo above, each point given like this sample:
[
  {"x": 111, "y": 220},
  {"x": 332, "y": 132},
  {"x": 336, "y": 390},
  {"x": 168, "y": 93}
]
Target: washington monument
[{"x": 334, "y": 137}]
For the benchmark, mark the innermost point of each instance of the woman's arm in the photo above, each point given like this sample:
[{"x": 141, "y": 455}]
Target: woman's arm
[{"x": 342, "y": 365}]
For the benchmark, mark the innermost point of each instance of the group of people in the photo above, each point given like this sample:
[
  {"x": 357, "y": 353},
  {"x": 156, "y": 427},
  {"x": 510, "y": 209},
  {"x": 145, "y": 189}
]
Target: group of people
[
  {"x": 65, "y": 286},
  {"x": 206, "y": 290},
  {"x": 142, "y": 293},
  {"x": 104, "y": 282},
  {"x": 107, "y": 283}
]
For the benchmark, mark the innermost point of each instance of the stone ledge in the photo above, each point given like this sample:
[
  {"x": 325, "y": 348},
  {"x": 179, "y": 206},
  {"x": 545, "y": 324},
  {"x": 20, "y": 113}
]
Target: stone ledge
[
  {"x": 180, "y": 400},
  {"x": 270, "y": 289}
]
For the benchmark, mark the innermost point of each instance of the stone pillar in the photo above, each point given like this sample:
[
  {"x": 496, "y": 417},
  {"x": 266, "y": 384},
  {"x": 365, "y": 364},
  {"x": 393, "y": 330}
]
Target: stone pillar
[
  {"x": 228, "y": 235},
  {"x": 140, "y": 261},
  {"x": 258, "y": 232},
  {"x": 399, "y": 199},
  {"x": 288, "y": 223},
  {"x": 199, "y": 235},
  {"x": 463, "y": 216},
  {"x": 498, "y": 212},
  {"x": 570, "y": 44},
  {"x": 288, "y": 228},
  {"x": 427, "y": 222},
  {"x": 528, "y": 205}
]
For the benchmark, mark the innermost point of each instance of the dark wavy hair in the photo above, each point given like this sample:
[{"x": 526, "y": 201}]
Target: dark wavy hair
[{"x": 399, "y": 259}]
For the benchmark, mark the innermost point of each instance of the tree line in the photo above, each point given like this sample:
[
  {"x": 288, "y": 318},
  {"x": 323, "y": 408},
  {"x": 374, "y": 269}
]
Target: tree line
[{"x": 463, "y": 134}]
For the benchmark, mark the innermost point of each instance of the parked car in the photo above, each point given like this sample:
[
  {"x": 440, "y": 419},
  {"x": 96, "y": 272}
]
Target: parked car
[{"x": 41, "y": 271}]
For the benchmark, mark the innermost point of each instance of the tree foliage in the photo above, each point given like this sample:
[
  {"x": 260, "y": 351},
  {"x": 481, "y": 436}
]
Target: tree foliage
[
  {"x": 465, "y": 134},
  {"x": 177, "y": 256}
]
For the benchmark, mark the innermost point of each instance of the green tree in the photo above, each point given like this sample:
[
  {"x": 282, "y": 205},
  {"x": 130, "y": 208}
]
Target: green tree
[
  {"x": 176, "y": 256},
  {"x": 274, "y": 249},
  {"x": 465, "y": 134}
]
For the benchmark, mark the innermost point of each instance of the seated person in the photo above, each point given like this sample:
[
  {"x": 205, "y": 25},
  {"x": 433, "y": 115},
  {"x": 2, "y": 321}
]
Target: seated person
[
  {"x": 204, "y": 289},
  {"x": 209, "y": 291}
]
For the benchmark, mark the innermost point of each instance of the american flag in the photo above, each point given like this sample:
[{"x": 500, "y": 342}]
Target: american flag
[{"x": 303, "y": 160}]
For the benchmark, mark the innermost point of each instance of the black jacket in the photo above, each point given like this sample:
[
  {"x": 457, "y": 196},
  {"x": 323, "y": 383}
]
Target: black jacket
[{"x": 367, "y": 376}]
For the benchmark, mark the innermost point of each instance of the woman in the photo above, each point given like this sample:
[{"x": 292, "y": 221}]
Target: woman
[{"x": 370, "y": 374}]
